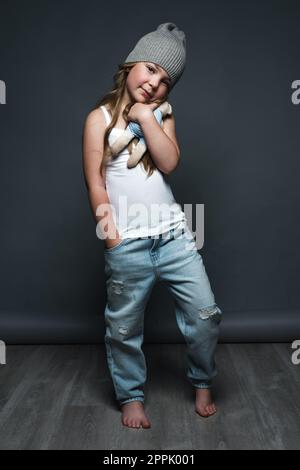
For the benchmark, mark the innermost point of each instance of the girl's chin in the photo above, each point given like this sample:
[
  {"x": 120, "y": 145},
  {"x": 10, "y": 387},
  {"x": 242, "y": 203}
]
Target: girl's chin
[{"x": 141, "y": 99}]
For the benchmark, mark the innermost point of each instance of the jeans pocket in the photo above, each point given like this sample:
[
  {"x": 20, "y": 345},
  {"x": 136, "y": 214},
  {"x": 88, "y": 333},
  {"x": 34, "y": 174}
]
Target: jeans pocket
[{"x": 115, "y": 248}]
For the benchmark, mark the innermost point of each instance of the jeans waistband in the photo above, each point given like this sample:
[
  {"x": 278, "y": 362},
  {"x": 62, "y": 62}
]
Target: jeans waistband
[{"x": 161, "y": 235}]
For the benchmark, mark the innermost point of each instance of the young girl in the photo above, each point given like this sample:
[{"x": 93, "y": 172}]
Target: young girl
[{"x": 158, "y": 244}]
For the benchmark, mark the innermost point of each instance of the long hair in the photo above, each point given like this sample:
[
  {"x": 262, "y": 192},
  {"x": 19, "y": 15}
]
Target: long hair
[{"x": 114, "y": 99}]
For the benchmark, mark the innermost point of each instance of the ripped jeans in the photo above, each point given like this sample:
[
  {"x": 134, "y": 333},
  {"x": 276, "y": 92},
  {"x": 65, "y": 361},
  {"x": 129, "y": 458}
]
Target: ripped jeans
[{"x": 132, "y": 267}]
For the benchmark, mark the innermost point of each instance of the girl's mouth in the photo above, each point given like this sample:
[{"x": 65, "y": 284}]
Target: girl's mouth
[{"x": 146, "y": 94}]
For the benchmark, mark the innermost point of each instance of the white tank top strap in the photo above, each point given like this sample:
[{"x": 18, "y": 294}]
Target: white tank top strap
[{"x": 106, "y": 114}]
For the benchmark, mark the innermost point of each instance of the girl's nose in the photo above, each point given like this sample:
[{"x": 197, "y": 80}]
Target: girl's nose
[{"x": 153, "y": 84}]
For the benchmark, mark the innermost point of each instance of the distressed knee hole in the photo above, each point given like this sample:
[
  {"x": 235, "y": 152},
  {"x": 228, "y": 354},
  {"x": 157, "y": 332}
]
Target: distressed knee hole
[
  {"x": 209, "y": 312},
  {"x": 117, "y": 286},
  {"x": 123, "y": 330}
]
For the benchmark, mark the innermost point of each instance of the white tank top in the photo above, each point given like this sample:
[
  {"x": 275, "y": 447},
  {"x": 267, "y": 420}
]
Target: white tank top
[{"x": 142, "y": 206}]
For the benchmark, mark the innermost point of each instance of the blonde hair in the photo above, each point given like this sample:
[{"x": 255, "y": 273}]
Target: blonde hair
[{"x": 114, "y": 99}]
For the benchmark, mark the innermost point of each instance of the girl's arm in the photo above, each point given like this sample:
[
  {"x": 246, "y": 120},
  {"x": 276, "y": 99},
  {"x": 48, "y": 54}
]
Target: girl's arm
[
  {"x": 93, "y": 137},
  {"x": 161, "y": 142}
]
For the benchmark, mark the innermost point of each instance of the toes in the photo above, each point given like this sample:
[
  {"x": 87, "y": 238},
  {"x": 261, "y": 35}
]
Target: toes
[
  {"x": 211, "y": 409},
  {"x": 136, "y": 423},
  {"x": 206, "y": 410},
  {"x": 202, "y": 412}
]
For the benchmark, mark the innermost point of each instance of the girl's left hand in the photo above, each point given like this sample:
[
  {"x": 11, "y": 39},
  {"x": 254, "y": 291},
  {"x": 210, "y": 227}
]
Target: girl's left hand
[{"x": 140, "y": 111}]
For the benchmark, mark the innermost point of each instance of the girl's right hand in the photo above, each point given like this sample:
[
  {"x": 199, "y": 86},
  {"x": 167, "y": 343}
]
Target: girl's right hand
[
  {"x": 139, "y": 110},
  {"x": 111, "y": 242}
]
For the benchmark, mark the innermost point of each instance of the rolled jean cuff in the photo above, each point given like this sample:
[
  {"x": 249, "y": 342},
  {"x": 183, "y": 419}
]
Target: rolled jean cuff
[
  {"x": 203, "y": 385},
  {"x": 132, "y": 399}
]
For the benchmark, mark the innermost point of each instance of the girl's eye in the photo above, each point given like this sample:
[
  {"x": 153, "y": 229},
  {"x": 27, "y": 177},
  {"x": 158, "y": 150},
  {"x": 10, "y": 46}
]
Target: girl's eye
[{"x": 152, "y": 70}]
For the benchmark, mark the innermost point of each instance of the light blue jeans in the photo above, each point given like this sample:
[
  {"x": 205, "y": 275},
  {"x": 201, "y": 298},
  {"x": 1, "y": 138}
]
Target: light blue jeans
[{"x": 132, "y": 267}]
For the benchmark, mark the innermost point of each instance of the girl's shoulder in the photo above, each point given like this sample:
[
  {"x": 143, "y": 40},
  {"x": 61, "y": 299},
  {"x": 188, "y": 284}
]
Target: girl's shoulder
[{"x": 96, "y": 118}]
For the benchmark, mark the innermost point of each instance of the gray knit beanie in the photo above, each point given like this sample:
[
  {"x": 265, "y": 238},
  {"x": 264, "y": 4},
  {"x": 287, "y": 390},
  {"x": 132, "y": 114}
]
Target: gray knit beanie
[{"x": 166, "y": 46}]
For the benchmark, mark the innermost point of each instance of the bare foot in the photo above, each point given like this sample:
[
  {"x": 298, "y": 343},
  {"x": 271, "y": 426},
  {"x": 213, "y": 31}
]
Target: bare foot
[
  {"x": 133, "y": 415},
  {"x": 204, "y": 405}
]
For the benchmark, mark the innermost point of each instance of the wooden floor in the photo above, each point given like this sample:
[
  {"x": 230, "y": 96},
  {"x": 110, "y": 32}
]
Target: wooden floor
[{"x": 61, "y": 397}]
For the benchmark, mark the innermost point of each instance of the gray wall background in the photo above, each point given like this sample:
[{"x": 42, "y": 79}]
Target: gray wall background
[{"x": 239, "y": 135}]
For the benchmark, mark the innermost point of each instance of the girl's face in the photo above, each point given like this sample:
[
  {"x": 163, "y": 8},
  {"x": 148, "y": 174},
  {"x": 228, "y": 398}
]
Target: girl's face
[{"x": 147, "y": 82}]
